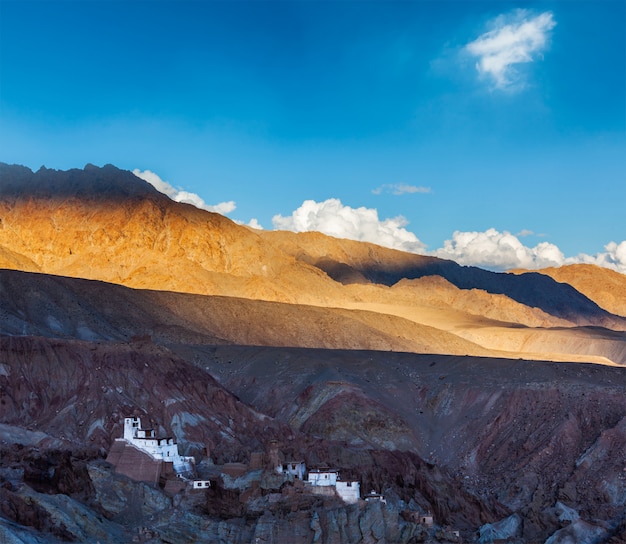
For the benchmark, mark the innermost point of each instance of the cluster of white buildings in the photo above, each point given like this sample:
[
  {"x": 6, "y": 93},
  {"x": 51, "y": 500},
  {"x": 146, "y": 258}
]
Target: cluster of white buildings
[
  {"x": 141, "y": 455},
  {"x": 324, "y": 481}
]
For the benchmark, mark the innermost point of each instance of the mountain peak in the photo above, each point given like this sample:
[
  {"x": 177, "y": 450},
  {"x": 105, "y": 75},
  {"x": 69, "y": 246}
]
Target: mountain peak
[{"x": 91, "y": 182}]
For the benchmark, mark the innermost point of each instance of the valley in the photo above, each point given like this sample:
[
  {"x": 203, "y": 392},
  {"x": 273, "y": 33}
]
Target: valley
[{"x": 493, "y": 400}]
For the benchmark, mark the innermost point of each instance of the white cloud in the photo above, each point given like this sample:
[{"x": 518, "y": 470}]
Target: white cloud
[
  {"x": 184, "y": 197},
  {"x": 613, "y": 257},
  {"x": 333, "y": 218},
  {"x": 154, "y": 180},
  {"x": 514, "y": 39},
  {"x": 490, "y": 249},
  {"x": 253, "y": 223},
  {"x": 223, "y": 208},
  {"x": 498, "y": 251},
  {"x": 400, "y": 189}
]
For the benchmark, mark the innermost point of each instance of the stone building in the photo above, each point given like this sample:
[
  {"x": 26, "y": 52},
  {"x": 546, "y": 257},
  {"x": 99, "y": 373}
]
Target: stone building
[
  {"x": 321, "y": 480},
  {"x": 144, "y": 457},
  {"x": 373, "y": 496},
  {"x": 297, "y": 469}
]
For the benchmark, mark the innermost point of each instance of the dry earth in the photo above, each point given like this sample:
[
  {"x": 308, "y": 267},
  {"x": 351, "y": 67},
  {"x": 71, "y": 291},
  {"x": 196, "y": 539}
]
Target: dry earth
[
  {"x": 107, "y": 224},
  {"x": 448, "y": 388},
  {"x": 604, "y": 286}
]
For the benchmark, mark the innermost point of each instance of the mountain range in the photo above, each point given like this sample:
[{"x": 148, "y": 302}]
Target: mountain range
[{"x": 494, "y": 400}]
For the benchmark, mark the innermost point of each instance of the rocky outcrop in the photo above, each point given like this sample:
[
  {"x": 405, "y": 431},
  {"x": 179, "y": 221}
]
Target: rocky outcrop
[
  {"x": 537, "y": 440},
  {"x": 49, "y": 491},
  {"x": 113, "y": 508},
  {"x": 529, "y": 434},
  {"x": 80, "y": 392}
]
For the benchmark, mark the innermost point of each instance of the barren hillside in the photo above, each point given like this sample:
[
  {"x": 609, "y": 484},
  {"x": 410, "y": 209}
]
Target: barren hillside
[
  {"x": 106, "y": 224},
  {"x": 451, "y": 390},
  {"x": 604, "y": 286}
]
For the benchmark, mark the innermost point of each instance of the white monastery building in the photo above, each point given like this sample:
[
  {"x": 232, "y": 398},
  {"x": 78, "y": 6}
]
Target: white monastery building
[
  {"x": 350, "y": 492},
  {"x": 160, "y": 449},
  {"x": 144, "y": 457}
]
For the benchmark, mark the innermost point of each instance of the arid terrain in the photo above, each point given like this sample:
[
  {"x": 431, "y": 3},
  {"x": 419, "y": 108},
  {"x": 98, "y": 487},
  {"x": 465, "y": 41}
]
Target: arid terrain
[{"x": 494, "y": 401}]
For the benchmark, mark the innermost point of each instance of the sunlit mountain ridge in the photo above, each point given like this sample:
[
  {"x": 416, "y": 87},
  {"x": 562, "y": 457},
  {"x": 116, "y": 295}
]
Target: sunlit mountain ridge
[{"x": 106, "y": 224}]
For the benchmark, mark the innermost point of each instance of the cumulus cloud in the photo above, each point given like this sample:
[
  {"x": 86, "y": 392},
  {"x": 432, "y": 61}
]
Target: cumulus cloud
[
  {"x": 613, "y": 257},
  {"x": 498, "y": 251},
  {"x": 223, "y": 208},
  {"x": 514, "y": 39},
  {"x": 490, "y": 249},
  {"x": 400, "y": 189},
  {"x": 253, "y": 223},
  {"x": 333, "y": 218},
  {"x": 178, "y": 195}
]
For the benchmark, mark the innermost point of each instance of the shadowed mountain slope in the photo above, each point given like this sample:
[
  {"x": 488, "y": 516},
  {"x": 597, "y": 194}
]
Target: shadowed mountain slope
[
  {"x": 80, "y": 392},
  {"x": 529, "y": 433},
  {"x": 58, "y": 307},
  {"x": 166, "y": 315},
  {"x": 107, "y": 224},
  {"x": 349, "y": 262},
  {"x": 36, "y": 304},
  {"x": 72, "y": 393},
  {"x": 604, "y": 286},
  {"x": 499, "y": 437}
]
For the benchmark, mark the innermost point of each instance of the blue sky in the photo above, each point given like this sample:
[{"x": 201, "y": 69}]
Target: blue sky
[{"x": 504, "y": 122}]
